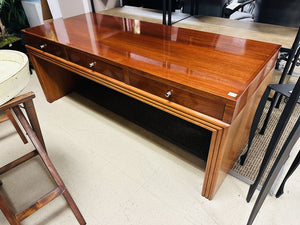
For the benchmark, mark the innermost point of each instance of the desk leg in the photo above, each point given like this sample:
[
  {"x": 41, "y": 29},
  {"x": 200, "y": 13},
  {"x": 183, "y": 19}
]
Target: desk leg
[
  {"x": 55, "y": 81},
  {"x": 229, "y": 142}
]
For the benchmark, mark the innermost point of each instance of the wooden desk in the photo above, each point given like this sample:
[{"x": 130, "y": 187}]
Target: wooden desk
[{"x": 210, "y": 80}]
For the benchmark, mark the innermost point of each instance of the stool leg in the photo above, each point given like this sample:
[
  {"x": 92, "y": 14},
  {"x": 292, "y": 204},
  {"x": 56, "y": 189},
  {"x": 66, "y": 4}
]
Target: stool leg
[
  {"x": 31, "y": 113},
  {"x": 40, "y": 148},
  {"x": 10, "y": 216},
  {"x": 14, "y": 122}
]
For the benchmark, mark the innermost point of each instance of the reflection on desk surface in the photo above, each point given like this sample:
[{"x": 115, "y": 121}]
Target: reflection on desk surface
[{"x": 243, "y": 29}]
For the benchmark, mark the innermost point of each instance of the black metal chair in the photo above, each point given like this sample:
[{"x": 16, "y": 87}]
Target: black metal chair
[
  {"x": 277, "y": 96},
  {"x": 292, "y": 54},
  {"x": 285, "y": 150}
]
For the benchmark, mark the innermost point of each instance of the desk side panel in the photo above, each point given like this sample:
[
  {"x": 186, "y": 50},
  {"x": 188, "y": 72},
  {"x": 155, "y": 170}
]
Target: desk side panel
[
  {"x": 234, "y": 140},
  {"x": 56, "y": 81}
]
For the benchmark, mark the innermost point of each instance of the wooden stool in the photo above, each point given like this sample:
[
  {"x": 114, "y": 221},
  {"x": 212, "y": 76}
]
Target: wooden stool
[
  {"x": 33, "y": 131},
  {"x": 8, "y": 116}
]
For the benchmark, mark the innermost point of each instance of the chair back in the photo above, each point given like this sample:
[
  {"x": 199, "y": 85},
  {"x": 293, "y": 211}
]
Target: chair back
[
  {"x": 204, "y": 7},
  {"x": 279, "y": 12}
]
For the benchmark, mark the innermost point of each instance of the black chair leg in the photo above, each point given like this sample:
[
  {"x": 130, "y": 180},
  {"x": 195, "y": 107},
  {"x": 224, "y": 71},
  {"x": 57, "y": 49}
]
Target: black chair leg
[
  {"x": 278, "y": 101},
  {"x": 294, "y": 62},
  {"x": 164, "y": 12},
  {"x": 279, "y": 162},
  {"x": 255, "y": 122},
  {"x": 170, "y": 13},
  {"x": 273, "y": 101},
  {"x": 283, "y": 120},
  {"x": 292, "y": 169}
]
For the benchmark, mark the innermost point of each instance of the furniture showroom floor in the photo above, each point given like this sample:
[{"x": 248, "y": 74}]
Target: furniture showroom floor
[{"x": 118, "y": 173}]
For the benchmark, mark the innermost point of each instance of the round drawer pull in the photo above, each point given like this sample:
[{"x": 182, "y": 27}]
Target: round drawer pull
[
  {"x": 43, "y": 46},
  {"x": 92, "y": 64},
  {"x": 168, "y": 94}
]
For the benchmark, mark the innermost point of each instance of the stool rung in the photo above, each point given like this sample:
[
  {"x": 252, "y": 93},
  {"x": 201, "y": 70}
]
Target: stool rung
[
  {"x": 18, "y": 161},
  {"x": 40, "y": 203},
  {"x": 3, "y": 118}
]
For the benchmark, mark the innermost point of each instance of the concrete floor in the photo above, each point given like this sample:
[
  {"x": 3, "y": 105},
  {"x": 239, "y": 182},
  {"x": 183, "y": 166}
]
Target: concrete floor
[{"x": 118, "y": 173}]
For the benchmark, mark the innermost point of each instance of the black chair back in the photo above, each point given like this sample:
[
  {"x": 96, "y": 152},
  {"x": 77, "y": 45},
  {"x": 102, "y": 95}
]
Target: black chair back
[{"x": 279, "y": 12}]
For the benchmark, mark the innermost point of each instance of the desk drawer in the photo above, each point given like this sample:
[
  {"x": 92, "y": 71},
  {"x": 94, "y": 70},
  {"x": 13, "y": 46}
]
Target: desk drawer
[
  {"x": 46, "y": 46},
  {"x": 96, "y": 65},
  {"x": 109, "y": 70},
  {"x": 180, "y": 96}
]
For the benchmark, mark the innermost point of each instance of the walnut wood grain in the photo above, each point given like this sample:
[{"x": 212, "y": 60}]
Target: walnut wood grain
[{"x": 144, "y": 60}]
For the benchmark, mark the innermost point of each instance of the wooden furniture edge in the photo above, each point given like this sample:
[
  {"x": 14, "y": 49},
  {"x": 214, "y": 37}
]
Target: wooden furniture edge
[
  {"x": 163, "y": 104},
  {"x": 230, "y": 149},
  {"x": 17, "y": 100}
]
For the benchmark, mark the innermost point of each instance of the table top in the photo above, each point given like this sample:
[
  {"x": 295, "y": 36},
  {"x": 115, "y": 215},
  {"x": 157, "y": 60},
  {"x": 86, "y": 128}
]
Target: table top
[{"x": 207, "y": 63}]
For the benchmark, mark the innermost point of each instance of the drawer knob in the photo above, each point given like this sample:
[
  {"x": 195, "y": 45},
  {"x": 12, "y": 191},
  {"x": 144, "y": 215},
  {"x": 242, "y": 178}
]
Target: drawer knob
[
  {"x": 168, "y": 94},
  {"x": 92, "y": 64},
  {"x": 43, "y": 46}
]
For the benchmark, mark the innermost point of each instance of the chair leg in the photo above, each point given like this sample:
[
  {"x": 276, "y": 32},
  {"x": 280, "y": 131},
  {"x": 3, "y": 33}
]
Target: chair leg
[
  {"x": 9, "y": 215},
  {"x": 31, "y": 113},
  {"x": 41, "y": 150},
  {"x": 14, "y": 122},
  {"x": 283, "y": 120},
  {"x": 278, "y": 102},
  {"x": 294, "y": 61},
  {"x": 279, "y": 162},
  {"x": 292, "y": 169},
  {"x": 273, "y": 101},
  {"x": 255, "y": 122}
]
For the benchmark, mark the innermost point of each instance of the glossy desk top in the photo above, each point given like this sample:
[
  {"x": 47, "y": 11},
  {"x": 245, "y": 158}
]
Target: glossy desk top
[{"x": 205, "y": 62}]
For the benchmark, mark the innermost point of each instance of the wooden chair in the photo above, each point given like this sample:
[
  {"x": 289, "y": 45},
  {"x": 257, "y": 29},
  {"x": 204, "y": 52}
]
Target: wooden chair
[{"x": 33, "y": 131}]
